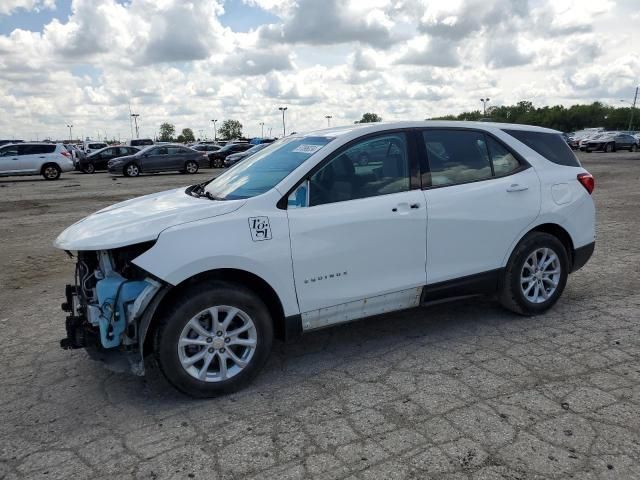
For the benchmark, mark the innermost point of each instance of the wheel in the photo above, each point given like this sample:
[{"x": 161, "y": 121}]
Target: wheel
[
  {"x": 51, "y": 171},
  {"x": 536, "y": 274},
  {"x": 363, "y": 159},
  {"x": 131, "y": 170},
  {"x": 191, "y": 167},
  {"x": 633, "y": 148},
  {"x": 214, "y": 339},
  {"x": 608, "y": 148},
  {"x": 89, "y": 168}
]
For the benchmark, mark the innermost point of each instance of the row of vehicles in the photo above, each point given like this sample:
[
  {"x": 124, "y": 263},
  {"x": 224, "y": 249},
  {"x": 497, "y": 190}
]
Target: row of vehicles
[
  {"x": 137, "y": 156},
  {"x": 598, "y": 140}
]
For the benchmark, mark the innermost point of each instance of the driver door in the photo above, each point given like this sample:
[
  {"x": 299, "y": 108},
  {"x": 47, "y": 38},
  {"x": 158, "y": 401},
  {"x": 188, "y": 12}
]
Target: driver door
[{"x": 358, "y": 234}]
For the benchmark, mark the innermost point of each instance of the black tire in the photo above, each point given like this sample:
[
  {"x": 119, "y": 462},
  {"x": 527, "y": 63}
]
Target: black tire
[
  {"x": 191, "y": 167},
  {"x": 511, "y": 295},
  {"x": 131, "y": 170},
  {"x": 193, "y": 301},
  {"x": 50, "y": 171},
  {"x": 89, "y": 168},
  {"x": 608, "y": 148}
]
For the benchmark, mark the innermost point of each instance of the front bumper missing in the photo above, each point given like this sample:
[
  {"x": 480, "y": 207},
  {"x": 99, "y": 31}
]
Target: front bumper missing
[{"x": 82, "y": 333}]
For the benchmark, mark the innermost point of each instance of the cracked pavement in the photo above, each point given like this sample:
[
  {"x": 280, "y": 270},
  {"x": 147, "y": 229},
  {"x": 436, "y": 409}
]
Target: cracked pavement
[{"x": 461, "y": 390}]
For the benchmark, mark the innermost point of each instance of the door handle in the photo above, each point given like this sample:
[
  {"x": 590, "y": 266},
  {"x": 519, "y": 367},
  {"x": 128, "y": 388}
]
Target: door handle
[
  {"x": 15, "y": 159},
  {"x": 415, "y": 205},
  {"x": 516, "y": 187}
]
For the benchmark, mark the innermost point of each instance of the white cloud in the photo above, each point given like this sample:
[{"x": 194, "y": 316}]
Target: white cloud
[
  {"x": 404, "y": 59},
  {"x": 9, "y": 6}
]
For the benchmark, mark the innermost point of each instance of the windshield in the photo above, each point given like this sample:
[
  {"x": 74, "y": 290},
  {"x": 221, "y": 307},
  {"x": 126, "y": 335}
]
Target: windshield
[{"x": 265, "y": 169}]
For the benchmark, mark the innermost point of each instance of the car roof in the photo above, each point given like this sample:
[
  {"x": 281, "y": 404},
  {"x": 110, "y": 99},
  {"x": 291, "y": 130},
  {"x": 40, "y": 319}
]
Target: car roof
[{"x": 383, "y": 126}]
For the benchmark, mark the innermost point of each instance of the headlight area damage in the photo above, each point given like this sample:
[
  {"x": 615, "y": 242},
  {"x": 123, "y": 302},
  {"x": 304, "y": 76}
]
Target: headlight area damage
[{"x": 107, "y": 304}]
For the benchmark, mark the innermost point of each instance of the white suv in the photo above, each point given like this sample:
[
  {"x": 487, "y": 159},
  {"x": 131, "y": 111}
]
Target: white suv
[
  {"x": 46, "y": 159},
  {"x": 303, "y": 235}
]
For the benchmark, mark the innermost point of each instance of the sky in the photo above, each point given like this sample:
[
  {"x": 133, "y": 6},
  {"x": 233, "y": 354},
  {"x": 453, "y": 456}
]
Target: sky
[{"x": 86, "y": 63}]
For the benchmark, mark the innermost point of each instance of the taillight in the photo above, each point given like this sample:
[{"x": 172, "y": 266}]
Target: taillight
[
  {"x": 587, "y": 181},
  {"x": 66, "y": 154}
]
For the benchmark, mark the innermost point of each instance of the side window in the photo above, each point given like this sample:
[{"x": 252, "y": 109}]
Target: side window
[
  {"x": 160, "y": 151},
  {"x": 503, "y": 161},
  {"x": 371, "y": 167},
  {"x": 456, "y": 156},
  {"x": 549, "y": 145},
  {"x": 11, "y": 151}
]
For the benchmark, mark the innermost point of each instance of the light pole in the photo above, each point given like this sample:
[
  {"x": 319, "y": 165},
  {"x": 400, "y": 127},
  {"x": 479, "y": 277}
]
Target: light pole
[
  {"x": 633, "y": 107},
  {"x": 135, "y": 120},
  {"x": 484, "y": 105},
  {"x": 70, "y": 126},
  {"x": 262, "y": 129},
  {"x": 215, "y": 136},
  {"x": 328, "y": 117},
  {"x": 284, "y": 130},
  {"x": 270, "y": 129}
]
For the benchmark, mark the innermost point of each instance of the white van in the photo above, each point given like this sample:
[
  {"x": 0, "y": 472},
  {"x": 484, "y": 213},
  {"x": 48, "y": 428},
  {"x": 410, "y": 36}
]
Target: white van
[{"x": 89, "y": 146}]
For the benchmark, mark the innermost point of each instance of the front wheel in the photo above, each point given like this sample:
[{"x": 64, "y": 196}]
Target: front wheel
[
  {"x": 131, "y": 170},
  {"x": 191, "y": 167},
  {"x": 89, "y": 168},
  {"x": 608, "y": 148},
  {"x": 536, "y": 274},
  {"x": 214, "y": 339}
]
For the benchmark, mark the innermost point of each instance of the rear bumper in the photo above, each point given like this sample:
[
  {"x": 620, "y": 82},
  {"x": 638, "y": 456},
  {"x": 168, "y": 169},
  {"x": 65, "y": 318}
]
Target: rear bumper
[{"x": 582, "y": 255}]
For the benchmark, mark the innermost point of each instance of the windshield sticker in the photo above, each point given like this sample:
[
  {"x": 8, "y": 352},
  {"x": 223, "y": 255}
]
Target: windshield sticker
[
  {"x": 309, "y": 148},
  {"x": 260, "y": 228}
]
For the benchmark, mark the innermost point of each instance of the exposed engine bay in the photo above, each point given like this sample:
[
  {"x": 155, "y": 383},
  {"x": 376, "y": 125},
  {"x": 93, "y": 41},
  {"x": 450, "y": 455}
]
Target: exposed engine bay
[{"x": 106, "y": 304}]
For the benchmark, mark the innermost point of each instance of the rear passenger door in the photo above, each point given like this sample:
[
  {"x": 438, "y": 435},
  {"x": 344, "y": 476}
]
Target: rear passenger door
[{"x": 480, "y": 198}]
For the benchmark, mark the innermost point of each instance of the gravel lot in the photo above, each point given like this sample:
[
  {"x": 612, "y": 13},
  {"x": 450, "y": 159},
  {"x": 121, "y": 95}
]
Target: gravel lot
[{"x": 459, "y": 391}]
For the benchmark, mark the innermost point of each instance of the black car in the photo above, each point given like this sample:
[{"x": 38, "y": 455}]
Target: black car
[
  {"x": 206, "y": 147},
  {"x": 613, "y": 142},
  {"x": 159, "y": 158},
  {"x": 237, "y": 157},
  {"x": 216, "y": 159},
  {"x": 99, "y": 159}
]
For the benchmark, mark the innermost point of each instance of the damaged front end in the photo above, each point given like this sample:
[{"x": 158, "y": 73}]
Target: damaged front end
[{"x": 107, "y": 304}]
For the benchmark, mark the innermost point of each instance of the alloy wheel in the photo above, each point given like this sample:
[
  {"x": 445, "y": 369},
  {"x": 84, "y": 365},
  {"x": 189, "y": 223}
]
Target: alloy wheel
[
  {"x": 540, "y": 275},
  {"x": 217, "y": 343}
]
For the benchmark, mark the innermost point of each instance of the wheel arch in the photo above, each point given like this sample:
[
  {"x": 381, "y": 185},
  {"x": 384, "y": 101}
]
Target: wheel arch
[
  {"x": 552, "y": 229},
  {"x": 242, "y": 277},
  {"x": 46, "y": 164}
]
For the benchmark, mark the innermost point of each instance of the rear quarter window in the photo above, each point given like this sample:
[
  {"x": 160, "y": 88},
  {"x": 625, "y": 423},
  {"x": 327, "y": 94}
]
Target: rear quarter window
[{"x": 550, "y": 145}]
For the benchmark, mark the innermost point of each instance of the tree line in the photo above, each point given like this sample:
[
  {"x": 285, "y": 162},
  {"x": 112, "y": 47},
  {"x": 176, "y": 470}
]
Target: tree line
[
  {"x": 229, "y": 130},
  {"x": 558, "y": 117}
]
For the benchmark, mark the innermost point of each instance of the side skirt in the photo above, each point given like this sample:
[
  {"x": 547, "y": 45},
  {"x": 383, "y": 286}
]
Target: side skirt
[{"x": 484, "y": 283}]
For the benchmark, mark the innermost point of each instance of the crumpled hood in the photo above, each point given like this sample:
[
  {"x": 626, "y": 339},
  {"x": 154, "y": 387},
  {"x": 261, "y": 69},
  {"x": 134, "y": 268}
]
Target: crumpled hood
[{"x": 140, "y": 219}]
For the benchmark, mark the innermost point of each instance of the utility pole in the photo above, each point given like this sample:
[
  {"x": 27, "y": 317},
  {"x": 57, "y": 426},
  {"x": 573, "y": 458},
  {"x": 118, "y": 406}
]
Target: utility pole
[
  {"x": 484, "y": 105},
  {"x": 215, "y": 135},
  {"x": 262, "y": 129},
  {"x": 633, "y": 107},
  {"x": 135, "y": 119},
  {"x": 328, "y": 117},
  {"x": 284, "y": 129},
  {"x": 70, "y": 126},
  {"x": 270, "y": 129},
  {"x": 130, "y": 122}
]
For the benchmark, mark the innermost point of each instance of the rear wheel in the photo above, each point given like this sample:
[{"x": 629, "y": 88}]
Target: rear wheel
[
  {"x": 191, "y": 167},
  {"x": 89, "y": 168},
  {"x": 51, "y": 171},
  {"x": 536, "y": 274},
  {"x": 131, "y": 170},
  {"x": 214, "y": 339},
  {"x": 608, "y": 148}
]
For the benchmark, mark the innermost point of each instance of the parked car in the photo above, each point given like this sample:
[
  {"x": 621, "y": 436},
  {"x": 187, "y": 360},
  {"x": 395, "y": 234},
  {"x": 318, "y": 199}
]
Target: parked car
[
  {"x": 571, "y": 141},
  {"x": 259, "y": 140},
  {"x": 206, "y": 147},
  {"x": 610, "y": 142},
  {"x": 237, "y": 157},
  {"x": 216, "y": 159},
  {"x": 302, "y": 237},
  {"x": 140, "y": 143},
  {"x": 6, "y": 142},
  {"x": 46, "y": 159},
  {"x": 99, "y": 159},
  {"x": 75, "y": 153},
  {"x": 159, "y": 158},
  {"x": 89, "y": 147}
]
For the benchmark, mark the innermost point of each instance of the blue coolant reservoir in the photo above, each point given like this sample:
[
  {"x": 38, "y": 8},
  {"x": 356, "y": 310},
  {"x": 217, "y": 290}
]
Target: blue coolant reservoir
[{"x": 113, "y": 318}]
